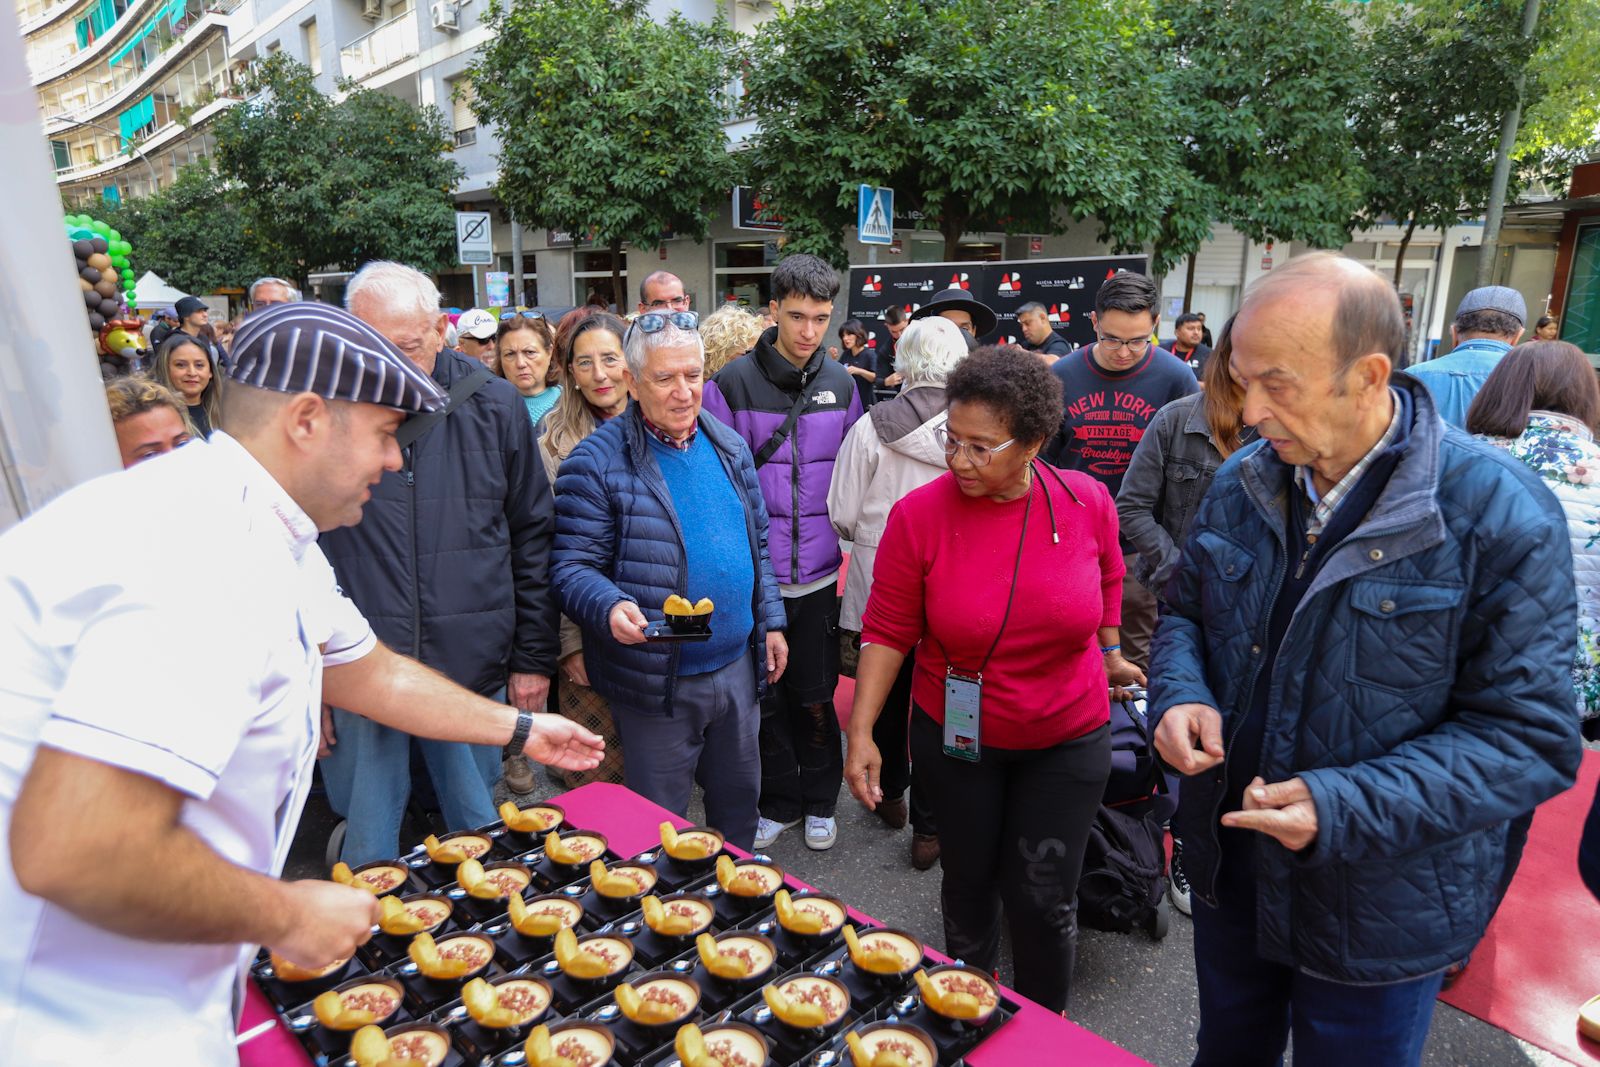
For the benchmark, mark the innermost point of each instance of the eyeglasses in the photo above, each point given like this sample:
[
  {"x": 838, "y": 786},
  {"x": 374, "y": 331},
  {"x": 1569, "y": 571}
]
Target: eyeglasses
[
  {"x": 656, "y": 321},
  {"x": 611, "y": 364},
  {"x": 1133, "y": 347},
  {"x": 977, "y": 455},
  {"x": 677, "y": 303},
  {"x": 507, "y": 316}
]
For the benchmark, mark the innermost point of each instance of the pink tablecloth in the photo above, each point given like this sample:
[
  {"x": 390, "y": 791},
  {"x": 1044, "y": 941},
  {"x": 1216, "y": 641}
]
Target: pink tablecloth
[{"x": 630, "y": 824}]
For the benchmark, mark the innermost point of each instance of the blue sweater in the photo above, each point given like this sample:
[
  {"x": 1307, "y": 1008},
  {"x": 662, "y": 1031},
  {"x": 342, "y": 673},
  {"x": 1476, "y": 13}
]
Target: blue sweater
[{"x": 719, "y": 563}]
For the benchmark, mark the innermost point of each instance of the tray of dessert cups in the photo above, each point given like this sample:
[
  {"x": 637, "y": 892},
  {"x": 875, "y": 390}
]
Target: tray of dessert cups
[
  {"x": 800, "y": 1014},
  {"x": 645, "y": 1012},
  {"x": 684, "y": 856},
  {"x": 436, "y": 970},
  {"x": 801, "y": 925},
  {"x": 571, "y": 1043}
]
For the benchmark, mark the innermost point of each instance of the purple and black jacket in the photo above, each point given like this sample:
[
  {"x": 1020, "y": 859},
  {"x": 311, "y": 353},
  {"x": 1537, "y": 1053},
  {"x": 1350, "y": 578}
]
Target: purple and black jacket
[{"x": 753, "y": 394}]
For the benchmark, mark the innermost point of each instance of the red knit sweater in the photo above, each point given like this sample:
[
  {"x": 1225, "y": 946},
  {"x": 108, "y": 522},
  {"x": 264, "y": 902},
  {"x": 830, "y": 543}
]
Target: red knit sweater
[{"x": 943, "y": 572}]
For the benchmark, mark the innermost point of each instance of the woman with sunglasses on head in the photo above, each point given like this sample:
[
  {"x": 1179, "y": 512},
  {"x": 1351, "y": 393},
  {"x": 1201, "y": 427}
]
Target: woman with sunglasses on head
[
  {"x": 588, "y": 354},
  {"x": 523, "y": 343},
  {"x": 1005, "y": 575}
]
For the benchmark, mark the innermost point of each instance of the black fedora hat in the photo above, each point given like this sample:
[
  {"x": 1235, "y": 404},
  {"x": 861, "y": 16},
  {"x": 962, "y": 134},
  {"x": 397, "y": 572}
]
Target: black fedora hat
[{"x": 983, "y": 319}]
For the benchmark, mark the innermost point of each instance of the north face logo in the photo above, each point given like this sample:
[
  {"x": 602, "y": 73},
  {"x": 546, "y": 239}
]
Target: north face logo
[
  {"x": 872, "y": 284},
  {"x": 824, "y": 396},
  {"x": 959, "y": 280},
  {"x": 1010, "y": 283}
]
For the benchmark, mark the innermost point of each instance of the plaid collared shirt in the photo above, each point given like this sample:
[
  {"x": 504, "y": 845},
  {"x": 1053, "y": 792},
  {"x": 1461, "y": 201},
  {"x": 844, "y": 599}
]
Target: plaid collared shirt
[
  {"x": 667, "y": 439},
  {"x": 1322, "y": 507}
]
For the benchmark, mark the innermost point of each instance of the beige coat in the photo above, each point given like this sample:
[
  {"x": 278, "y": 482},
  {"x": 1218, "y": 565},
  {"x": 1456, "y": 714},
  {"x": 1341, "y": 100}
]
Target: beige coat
[{"x": 886, "y": 455}]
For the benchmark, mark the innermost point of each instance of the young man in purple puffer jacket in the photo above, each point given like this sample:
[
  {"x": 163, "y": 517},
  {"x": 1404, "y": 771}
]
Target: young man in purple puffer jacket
[{"x": 793, "y": 406}]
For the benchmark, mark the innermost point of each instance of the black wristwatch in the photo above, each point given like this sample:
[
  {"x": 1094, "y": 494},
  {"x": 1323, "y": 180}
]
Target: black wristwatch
[{"x": 519, "y": 736}]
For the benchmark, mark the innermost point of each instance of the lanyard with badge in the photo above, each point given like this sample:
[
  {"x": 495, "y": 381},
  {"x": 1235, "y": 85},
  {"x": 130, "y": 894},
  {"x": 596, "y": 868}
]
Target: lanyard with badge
[{"x": 963, "y": 690}]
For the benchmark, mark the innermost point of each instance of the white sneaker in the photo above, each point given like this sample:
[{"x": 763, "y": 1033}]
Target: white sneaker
[
  {"x": 767, "y": 830},
  {"x": 820, "y": 833}
]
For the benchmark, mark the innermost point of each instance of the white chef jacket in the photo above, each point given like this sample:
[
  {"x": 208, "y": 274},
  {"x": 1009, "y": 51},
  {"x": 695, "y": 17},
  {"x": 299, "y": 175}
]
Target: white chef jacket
[{"x": 173, "y": 620}]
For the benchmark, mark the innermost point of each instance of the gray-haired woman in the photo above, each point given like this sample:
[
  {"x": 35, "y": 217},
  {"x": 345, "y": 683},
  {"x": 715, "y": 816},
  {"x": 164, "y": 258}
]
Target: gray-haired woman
[{"x": 892, "y": 451}]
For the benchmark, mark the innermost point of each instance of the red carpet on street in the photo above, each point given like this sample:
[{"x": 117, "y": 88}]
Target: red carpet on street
[{"x": 1541, "y": 958}]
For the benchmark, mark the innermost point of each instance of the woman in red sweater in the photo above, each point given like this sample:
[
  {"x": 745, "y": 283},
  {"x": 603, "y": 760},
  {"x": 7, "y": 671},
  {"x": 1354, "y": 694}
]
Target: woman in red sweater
[{"x": 1008, "y": 574}]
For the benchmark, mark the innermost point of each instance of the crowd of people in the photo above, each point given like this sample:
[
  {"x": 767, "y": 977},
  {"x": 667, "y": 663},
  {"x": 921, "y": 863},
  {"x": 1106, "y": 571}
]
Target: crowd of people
[{"x": 1364, "y": 601}]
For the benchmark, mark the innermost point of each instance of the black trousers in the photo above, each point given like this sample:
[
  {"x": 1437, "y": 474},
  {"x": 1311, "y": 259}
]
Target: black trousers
[
  {"x": 802, "y": 764},
  {"x": 891, "y": 734},
  {"x": 1012, "y": 830}
]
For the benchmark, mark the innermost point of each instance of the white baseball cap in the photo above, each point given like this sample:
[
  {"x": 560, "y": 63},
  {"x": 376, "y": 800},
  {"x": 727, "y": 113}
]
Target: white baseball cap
[{"x": 477, "y": 324}]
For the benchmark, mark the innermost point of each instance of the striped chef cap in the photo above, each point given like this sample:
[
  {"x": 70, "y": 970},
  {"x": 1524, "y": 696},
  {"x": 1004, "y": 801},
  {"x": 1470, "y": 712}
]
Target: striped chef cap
[{"x": 322, "y": 349}]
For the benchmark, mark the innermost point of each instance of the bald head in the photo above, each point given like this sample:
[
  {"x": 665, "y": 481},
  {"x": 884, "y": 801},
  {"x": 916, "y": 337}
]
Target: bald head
[
  {"x": 1313, "y": 347},
  {"x": 1339, "y": 307},
  {"x": 662, "y": 291}
]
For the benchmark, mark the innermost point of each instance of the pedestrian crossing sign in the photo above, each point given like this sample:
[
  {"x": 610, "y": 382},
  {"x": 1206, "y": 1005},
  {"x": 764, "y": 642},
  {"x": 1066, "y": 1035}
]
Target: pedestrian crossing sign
[{"x": 875, "y": 215}]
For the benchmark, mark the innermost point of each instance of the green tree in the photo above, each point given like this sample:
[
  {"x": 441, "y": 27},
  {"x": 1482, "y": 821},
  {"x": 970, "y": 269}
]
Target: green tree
[
  {"x": 1263, "y": 91},
  {"x": 1013, "y": 115},
  {"x": 610, "y": 124},
  {"x": 1429, "y": 122},
  {"x": 189, "y": 233},
  {"x": 333, "y": 183}
]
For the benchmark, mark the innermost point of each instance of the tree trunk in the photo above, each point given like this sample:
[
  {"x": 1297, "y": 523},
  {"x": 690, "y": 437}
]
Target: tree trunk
[
  {"x": 616, "y": 275},
  {"x": 1188, "y": 283},
  {"x": 952, "y": 226},
  {"x": 1400, "y": 256},
  {"x": 1502, "y": 160}
]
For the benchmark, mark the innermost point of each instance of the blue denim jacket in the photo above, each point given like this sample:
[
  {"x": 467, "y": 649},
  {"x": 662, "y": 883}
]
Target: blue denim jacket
[{"x": 1455, "y": 379}]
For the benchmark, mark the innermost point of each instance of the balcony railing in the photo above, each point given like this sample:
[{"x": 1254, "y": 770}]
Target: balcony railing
[{"x": 393, "y": 42}]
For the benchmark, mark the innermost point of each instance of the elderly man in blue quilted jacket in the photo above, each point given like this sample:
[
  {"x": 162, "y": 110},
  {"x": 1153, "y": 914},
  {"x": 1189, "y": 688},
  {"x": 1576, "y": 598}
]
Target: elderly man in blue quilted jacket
[
  {"x": 661, "y": 500},
  {"x": 1363, "y": 675}
]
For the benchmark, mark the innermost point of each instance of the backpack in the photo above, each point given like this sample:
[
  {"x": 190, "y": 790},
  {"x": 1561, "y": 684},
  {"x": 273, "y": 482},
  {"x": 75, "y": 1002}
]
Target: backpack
[
  {"x": 1123, "y": 884},
  {"x": 1136, "y": 774}
]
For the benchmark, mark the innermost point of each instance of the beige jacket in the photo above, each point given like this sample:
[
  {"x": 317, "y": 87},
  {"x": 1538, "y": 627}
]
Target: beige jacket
[{"x": 886, "y": 455}]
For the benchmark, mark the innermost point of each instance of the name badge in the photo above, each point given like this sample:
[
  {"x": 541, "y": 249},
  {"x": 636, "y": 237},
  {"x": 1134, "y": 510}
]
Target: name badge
[{"x": 963, "y": 717}]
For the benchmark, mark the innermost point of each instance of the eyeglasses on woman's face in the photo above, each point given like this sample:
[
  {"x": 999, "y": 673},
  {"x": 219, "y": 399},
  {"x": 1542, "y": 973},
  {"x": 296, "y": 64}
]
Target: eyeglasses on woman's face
[{"x": 978, "y": 455}]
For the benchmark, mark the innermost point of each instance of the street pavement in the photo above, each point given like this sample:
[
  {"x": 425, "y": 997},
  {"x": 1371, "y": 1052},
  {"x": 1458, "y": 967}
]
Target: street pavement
[{"x": 1131, "y": 990}]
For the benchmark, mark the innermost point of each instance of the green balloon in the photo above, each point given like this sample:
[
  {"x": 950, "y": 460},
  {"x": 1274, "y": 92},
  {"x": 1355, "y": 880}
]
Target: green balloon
[
  {"x": 123, "y": 247},
  {"x": 113, "y": 235},
  {"x": 100, "y": 228}
]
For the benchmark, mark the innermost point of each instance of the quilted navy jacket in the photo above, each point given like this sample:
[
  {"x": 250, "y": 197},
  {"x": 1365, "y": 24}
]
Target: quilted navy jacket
[
  {"x": 1422, "y": 692},
  {"x": 618, "y": 538}
]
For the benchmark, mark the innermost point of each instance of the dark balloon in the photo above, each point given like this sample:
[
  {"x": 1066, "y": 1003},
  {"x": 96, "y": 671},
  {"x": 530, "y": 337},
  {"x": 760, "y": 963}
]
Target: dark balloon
[
  {"x": 106, "y": 287},
  {"x": 96, "y": 320},
  {"x": 83, "y": 249},
  {"x": 110, "y": 308},
  {"x": 100, "y": 244}
]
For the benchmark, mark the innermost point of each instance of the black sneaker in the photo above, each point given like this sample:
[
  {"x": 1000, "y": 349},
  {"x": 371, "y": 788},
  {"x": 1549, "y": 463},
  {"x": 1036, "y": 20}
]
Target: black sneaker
[{"x": 1177, "y": 881}]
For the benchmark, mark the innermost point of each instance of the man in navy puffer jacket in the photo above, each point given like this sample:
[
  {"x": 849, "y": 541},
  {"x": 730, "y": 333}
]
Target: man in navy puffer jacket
[
  {"x": 663, "y": 500},
  {"x": 1364, "y": 675}
]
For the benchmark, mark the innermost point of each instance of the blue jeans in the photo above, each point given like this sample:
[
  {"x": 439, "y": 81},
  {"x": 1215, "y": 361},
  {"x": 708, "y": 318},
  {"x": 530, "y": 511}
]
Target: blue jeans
[
  {"x": 1248, "y": 1006},
  {"x": 710, "y": 737},
  {"x": 368, "y": 776}
]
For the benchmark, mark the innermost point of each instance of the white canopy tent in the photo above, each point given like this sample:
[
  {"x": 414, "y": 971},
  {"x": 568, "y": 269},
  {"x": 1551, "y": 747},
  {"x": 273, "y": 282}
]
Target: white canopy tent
[{"x": 153, "y": 293}]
